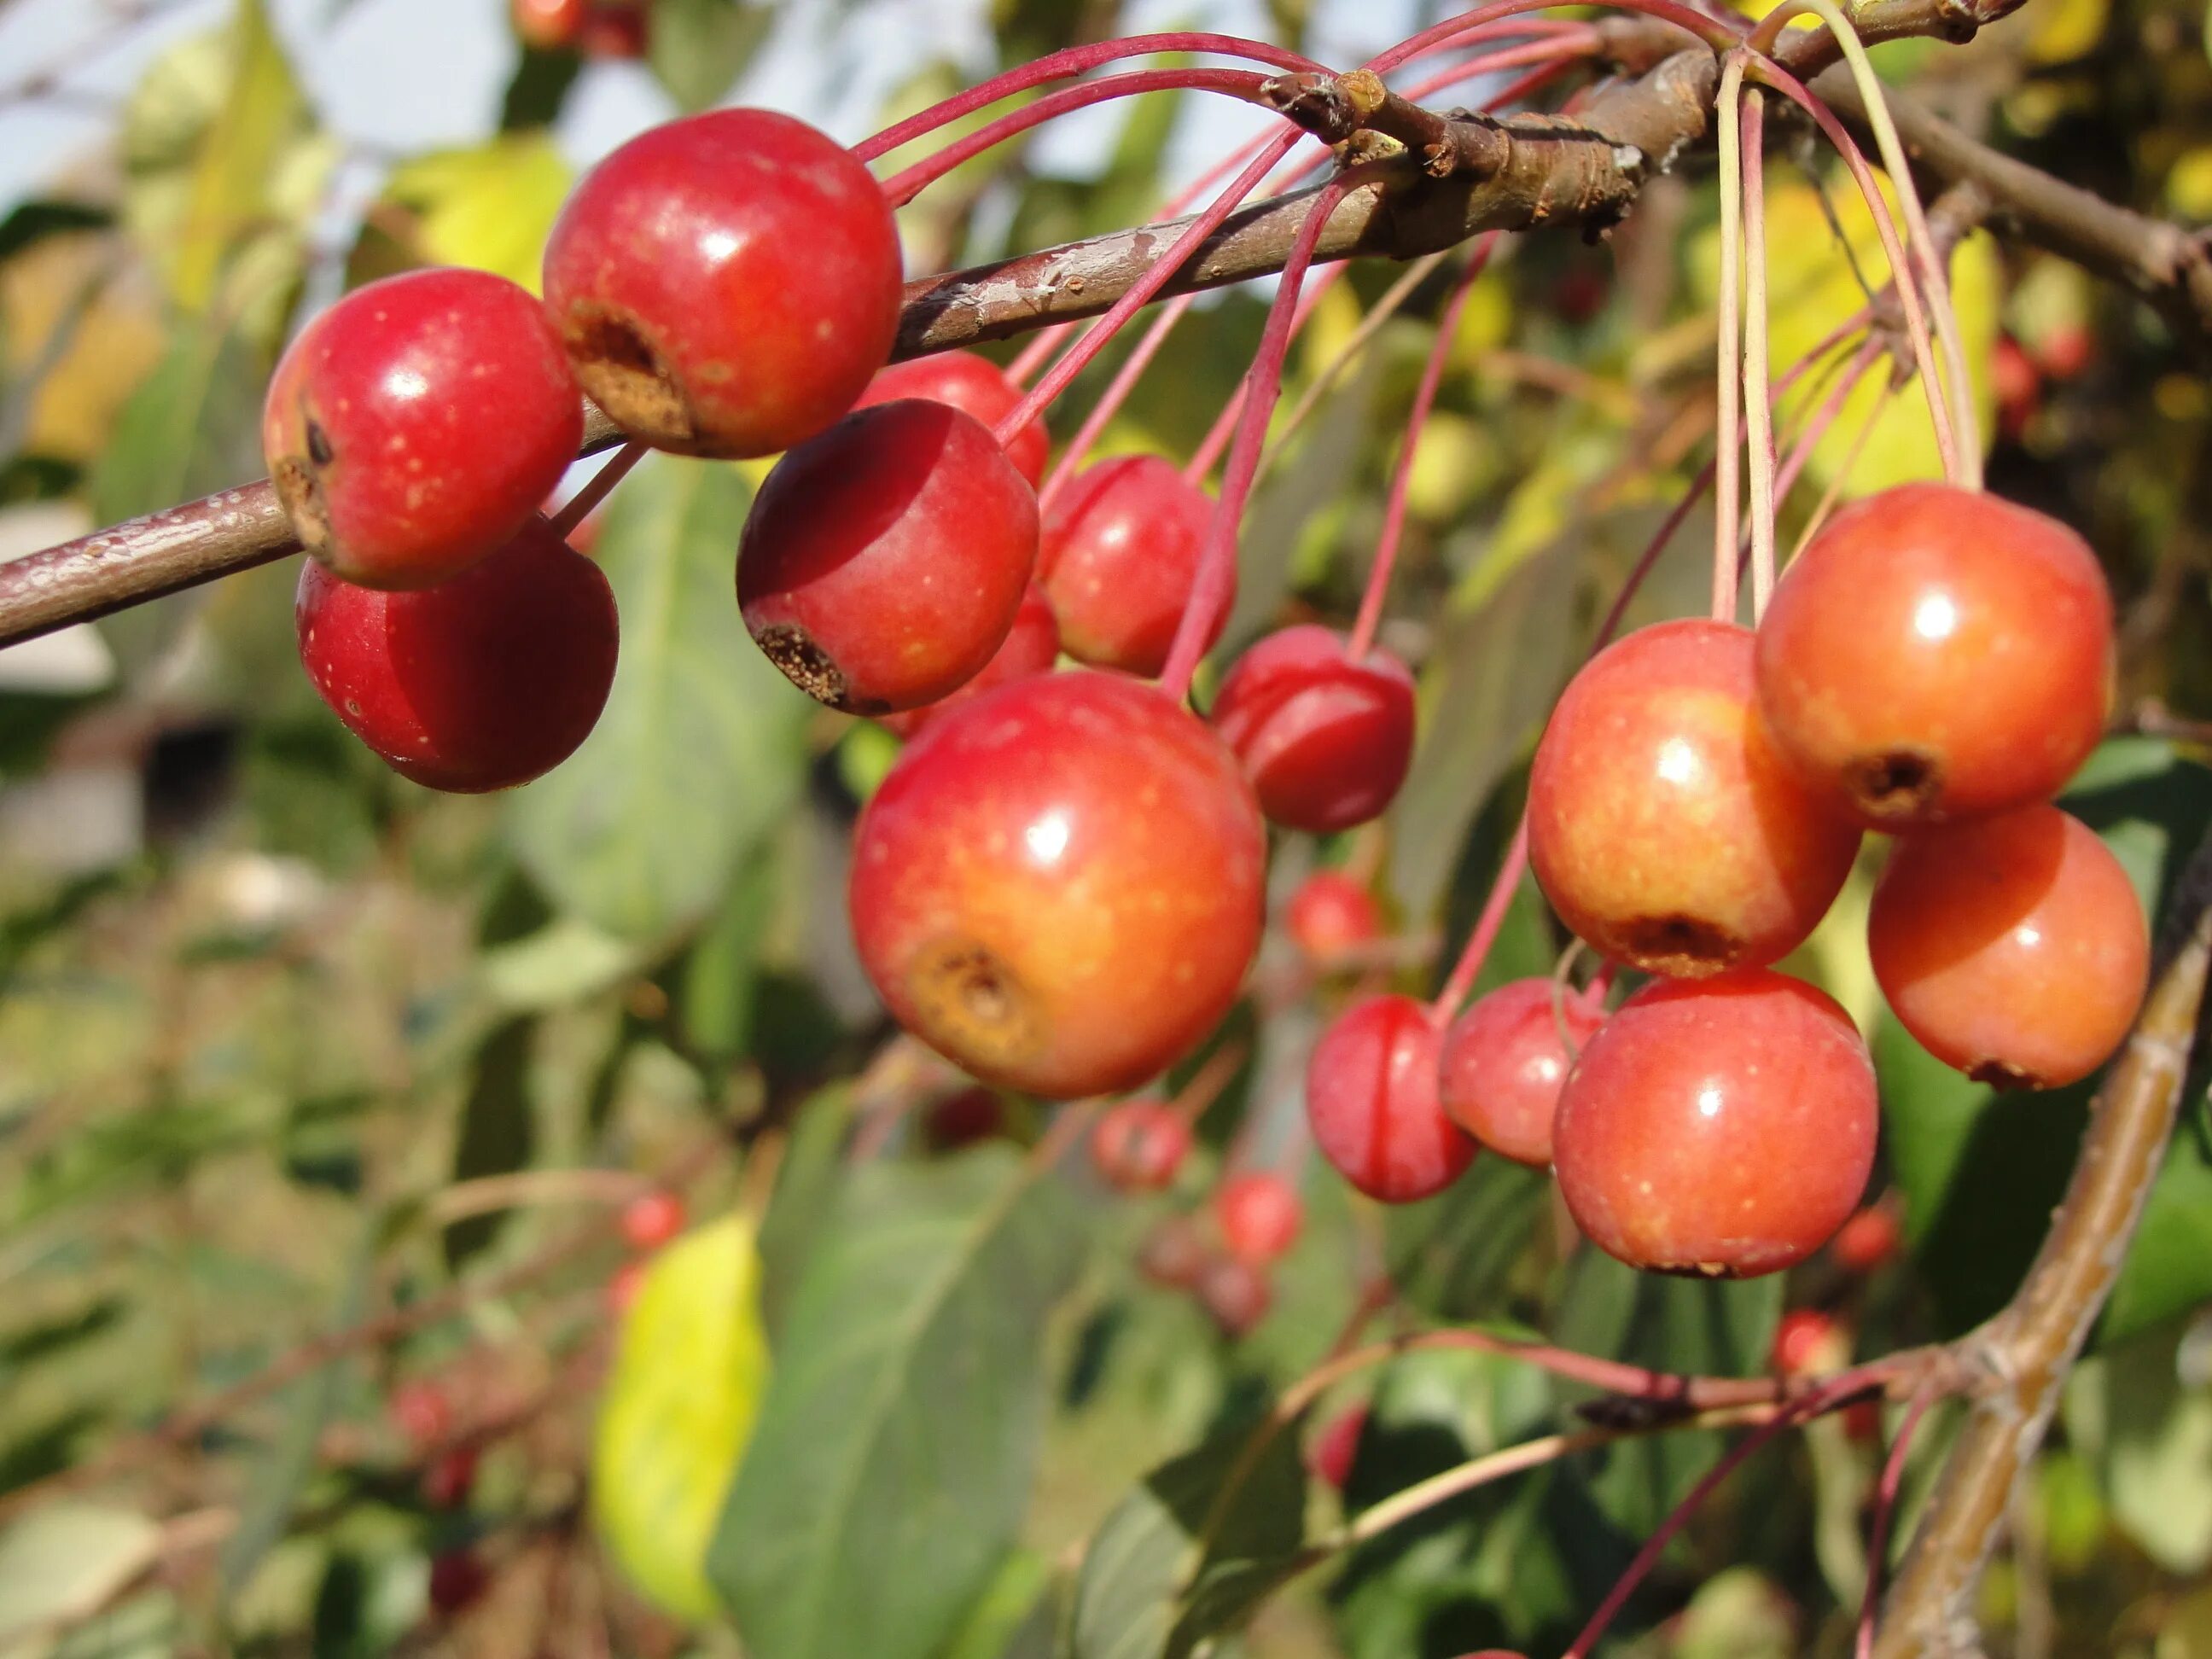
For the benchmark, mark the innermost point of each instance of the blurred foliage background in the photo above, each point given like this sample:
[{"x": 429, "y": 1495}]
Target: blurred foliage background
[{"x": 322, "y": 1099}]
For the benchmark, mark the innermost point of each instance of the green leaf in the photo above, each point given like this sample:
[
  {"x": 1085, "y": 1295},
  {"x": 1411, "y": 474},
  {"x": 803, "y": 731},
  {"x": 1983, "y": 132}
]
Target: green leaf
[
  {"x": 66, "y": 1559},
  {"x": 1453, "y": 1255},
  {"x": 193, "y": 427},
  {"x": 893, "y": 1455},
  {"x": 699, "y": 750},
  {"x": 2150, "y": 1439},
  {"x": 699, "y": 47},
  {"x": 1704, "y": 1327},
  {"x": 498, "y": 1129},
  {"x": 681, "y": 1405},
  {"x": 1180, "y": 1558}
]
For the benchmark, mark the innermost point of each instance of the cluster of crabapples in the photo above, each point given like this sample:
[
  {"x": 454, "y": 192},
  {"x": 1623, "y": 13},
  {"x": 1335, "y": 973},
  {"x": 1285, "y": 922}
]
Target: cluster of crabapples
[
  {"x": 1059, "y": 884},
  {"x": 590, "y": 28}
]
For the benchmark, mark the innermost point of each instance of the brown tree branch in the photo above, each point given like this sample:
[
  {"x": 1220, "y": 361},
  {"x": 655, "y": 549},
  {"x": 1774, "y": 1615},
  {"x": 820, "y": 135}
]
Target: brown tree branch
[
  {"x": 1533, "y": 170},
  {"x": 2017, "y": 1362}
]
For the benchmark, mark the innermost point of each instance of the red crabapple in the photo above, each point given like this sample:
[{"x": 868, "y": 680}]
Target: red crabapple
[
  {"x": 651, "y": 1219},
  {"x": 1807, "y": 1340},
  {"x": 1330, "y": 1456},
  {"x": 450, "y": 1477},
  {"x": 423, "y": 1412},
  {"x": 2012, "y": 947},
  {"x": 1866, "y": 1240},
  {"x": 974, "y": 1115},
  {"x": 1119, "y": 553},
  {"x": 1325, "y": 740},
  {"x": 1664, "y": 826},
  {"x": 1172, "y": 1255},
  {"x": 481, "y": 682},
  {"x": 884, "y": 562},
  {"x": 1059, "y": 885},
  {"x": 1139, "y": 1145},
  {"x": 1331, "y": 913},
  {"x": 458, "y": 1577},
  {"x": 1031, "y": 646},
  {"x": 1371, "y": 1100},
  {"x": 975, "y": 385},
  {"x": 548, "y": 25},
  {"x": 1721, "y": 1127},
  {"x": 1236, "y": 1292},
  {"x": 1504, "y": 1063},
  {"x": 725, "y": 285},
  {"x": 1259, "y": 1215},
  {"x": 1938, "y": 653},
  {"x": 417, "y": 424},
  {"x": 618, "y": 29}
]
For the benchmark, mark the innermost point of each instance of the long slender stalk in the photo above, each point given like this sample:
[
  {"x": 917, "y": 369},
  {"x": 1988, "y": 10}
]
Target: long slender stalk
[
  {"x": 1715, "y": 32},
  {"x": 1065, "y": 64},
  {"x": 1758, "y": 403},
  {"x": 1111, "y": 401},
  {"x": 903, "y": 187},
  {"x": 1216, "y": 559},
  {"x": 1885, "y": 1508},
  {"x": 578, "y": 508},
  {"x": 1727, "y": 437},
  {"x": 1401, "y": 476},
  {"x": 1487, "y": 926},
  {"x": 1918, "y": 239}
]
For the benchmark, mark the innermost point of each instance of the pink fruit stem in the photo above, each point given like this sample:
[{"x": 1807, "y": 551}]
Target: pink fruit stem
[
  {"x": 1063, "y": 65},
  {"x": 1788, "y": 1417},
  {"x": 1728, "y": 435},
  {"x": 597, "y": 489},
  {"x": 1111, "y": 401},
  {"x": 1039, "y": 397},
  {"x": 1401, "y": 476},
  {"x": 1216, "y": 559},
  {"x": 1573, "y": 41},
  {"x": 1885, "y": 1507},
  {"x": 1908, "y": 295},
  {"x": 903, "y": 187},
  {"x": 1487, "y": 926},
  {"x": 1712, "y": 31},
  {"x": 1822, "y": 418},
  {"x": 1207, "y": 1082},
  {"x": 1203, "y": 459},
  {"x": 1757, "y": 394}
]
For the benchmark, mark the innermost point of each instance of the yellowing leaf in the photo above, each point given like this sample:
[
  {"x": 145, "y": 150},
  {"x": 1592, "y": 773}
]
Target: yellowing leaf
[
  {"x": 1486, "y": 321},
  {"x": 490, "y": 207},
  {"x": 1811, "y": 289},
  {"x": 89, "y": 338},
  {"x": 2063, "y": 30},
  {"x": 2189, "y": 183},
  {"x": 689, "y": 1370},
  {"x": 1451, "y": 464}
]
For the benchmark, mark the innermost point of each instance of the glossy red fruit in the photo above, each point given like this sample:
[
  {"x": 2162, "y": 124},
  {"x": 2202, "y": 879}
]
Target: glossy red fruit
[
  {"x": 1259, "y": 1214},
  {"x": 457, "y": 1579},
  {"x": 548, "y": 25},
  {"x": 617, "y": 29},
  {"x": 2066, "y": 351},
  {"x": 480, "y": 682},
  {"x": 1938, "y": 653},
  {"x": 1119, "y": 554},
  {"x": 1867, "y": 1240},
  {"x": 1172, "y": 1255},
  {"x": 651, "y": 1220},
  {"x": 1059, "y": 885},
  {"x": 1330, "y": 1456},
  {"x": 726, "y": 284},
  {"x": 1331, "y": 913},
  {"x": 1505, "y": 1060},
  {"x": 1236, "y": 1293},
  {"x": 1371, "y": 1100},
  {"x": 422, "y": 1411},
  {"x": 1031, "y": 646},
  {"x": 450, "y": 1478},
  {"x": 1139, "y": 1145},
  {"x": 1325, "y": 740},
  {"x": 973, "y": 385},
  {"x": 2018, "y": 385},
  {"x": 2013, "y": 947},
  {"x": 417, "y": 424},
  {"x": 1664, "y": 826},
  {"x": 884, "y": 562},
  {"x": 1807, "y": 1340},
  {"x": 1723, "y": 1127}
]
